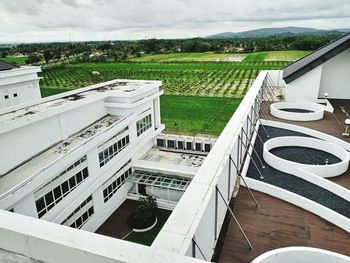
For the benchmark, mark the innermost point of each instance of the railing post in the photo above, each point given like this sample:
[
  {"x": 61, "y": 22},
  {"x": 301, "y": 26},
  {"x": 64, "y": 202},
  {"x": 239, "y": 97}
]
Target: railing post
[
  {"x": 193, "y": 249},
  {"x": 246, "y": 185},
  {"x": 236, "y": 220},
  {"x": 229, "y": 178},
  {"x": 216, "y": 216}
]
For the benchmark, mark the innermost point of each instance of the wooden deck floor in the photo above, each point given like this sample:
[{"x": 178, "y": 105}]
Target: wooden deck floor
[{"x": 277, "y": 224}]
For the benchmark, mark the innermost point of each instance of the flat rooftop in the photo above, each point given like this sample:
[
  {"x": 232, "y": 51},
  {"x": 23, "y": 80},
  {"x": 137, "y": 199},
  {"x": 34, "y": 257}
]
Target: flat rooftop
[
  {"x": 119, "y": 88},
  {"x": 175, "y": 158},
  {"x": 267, "y": 227},
  {"x": 32, "y": 167}
]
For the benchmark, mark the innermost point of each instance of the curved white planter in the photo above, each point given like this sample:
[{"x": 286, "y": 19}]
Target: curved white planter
[
  {"x": 146, "y": 229},
  {"x": 287, "y": 166},
  {"x": 301, "y": 255},
  {"x": 317, "y": 111},
  {"x": 303, "y": 202}
]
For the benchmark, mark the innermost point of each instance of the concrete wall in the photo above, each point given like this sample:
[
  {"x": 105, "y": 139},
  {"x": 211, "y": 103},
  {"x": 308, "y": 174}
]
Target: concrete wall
[
  {"x": 54, "y": 243},
  {"x": 198, "y": 217},
  {"x": 22, "y": 143},
  {"x": 331, "y": 77},
  {"x": 18, "y": 86},
  {"x": 335, "y": 78},
  {"x": 306, "y": 87}
]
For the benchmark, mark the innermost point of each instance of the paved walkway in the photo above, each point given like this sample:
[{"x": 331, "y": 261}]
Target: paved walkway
[{"x": 115, "y": 226}]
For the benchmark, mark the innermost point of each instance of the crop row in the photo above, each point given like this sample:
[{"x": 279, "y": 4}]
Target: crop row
[{"x": 204, "y": 79}]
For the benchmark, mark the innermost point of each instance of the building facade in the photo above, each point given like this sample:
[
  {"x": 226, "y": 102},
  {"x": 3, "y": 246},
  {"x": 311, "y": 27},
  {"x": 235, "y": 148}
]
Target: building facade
[
  {"x": 68, "y": 156},
  {"x": 18, "y": 84}
]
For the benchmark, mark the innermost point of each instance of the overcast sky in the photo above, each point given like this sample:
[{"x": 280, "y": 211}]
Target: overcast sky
[{"x": 64, "y": 20}]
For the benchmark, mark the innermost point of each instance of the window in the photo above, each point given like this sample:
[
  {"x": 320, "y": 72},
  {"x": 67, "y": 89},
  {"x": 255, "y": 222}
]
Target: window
[
  {"x": 160, "y": 142},
  {"x": 171, "y": 144},
  {"x": 15, "y": 95},
  {"x": 112, "y": 147},
  {"x": 144, "y": 124},
  {"x": 54, "y": 191},
  {"x": 189, "y": 146},
  {"x": 207, "y": 147},
  {"x": 198, "y": 146},
  {"x": 6, "y": 97},
  {"x": 180, "y": 144},
  {"x": 116, "y": 181},
  {"x": 81, "y": 214}
]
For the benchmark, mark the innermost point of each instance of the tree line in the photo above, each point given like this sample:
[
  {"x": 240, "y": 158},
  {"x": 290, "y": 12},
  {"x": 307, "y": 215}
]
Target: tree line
[{"x": 121, "y": 50}]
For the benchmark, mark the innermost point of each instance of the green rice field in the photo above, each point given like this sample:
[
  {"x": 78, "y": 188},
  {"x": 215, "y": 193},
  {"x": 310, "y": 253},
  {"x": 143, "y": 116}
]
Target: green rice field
[
  {"x": 213, "y": 79},
  {"x": 15, "y": 60},
  {"x": 196, "y": 115},
  {"x": 200, "y": 95}
]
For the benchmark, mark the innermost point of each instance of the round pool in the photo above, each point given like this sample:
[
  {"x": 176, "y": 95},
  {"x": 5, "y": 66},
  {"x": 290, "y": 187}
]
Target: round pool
[
  {"x": 297, "y": 111},
  {"x": 319, "y": 157}
]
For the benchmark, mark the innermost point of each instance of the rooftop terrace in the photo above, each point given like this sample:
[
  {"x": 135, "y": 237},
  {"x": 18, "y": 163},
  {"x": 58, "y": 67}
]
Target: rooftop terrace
[
  {"x": 278, "y": 223},
  {"x": 120, "y": 88},
  {"x": 176, "y": 158}
]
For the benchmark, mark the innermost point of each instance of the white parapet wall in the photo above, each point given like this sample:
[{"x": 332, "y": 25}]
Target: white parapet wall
[
  {"x": 194, "y": 226},
  {"x": 45, "y": 241},
  {"x": 301, "y": 255}
]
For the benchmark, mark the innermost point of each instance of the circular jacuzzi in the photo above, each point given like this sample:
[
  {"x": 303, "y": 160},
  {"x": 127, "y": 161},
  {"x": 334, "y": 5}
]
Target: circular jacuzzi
[
  {"x": 300, "y": 255},
  {"x": 297, "y": 111},
  {"x": 319, "y": 157}
]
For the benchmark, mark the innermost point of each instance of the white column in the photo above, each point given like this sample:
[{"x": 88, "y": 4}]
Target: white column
[
  {"x": 132, "y": 132},
  {"x": 93, "y": 162},
  {"x": 156, "y": 110},
  {"x": 26, "y": 206}
]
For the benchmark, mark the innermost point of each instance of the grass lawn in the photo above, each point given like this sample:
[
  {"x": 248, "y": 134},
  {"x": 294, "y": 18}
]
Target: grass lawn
[
  {"x": 196, "y": 115},
  {"x": 17, "y": 60},
  {"x": 45, "y": 92},
  {"x": 148, "y": 237},
  {"x": 187, "y": 114},
  {"x": 188, "y": 57},
  {"x": 288, "y": 55}
]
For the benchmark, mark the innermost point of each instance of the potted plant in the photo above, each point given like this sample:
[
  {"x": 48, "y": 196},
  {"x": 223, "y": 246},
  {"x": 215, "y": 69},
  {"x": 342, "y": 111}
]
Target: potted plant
[{"x": 145, "y": 217}]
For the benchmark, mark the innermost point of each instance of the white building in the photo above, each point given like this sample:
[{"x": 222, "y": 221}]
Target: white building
[
  {"x": 73, "y": 159},
  {"x": 83, "y": 141},
  {"x": 324, "y": 71},
  {"x": 18, "y": 84}
]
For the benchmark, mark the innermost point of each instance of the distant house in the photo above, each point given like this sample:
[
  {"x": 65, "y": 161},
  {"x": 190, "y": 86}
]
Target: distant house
[
  {"x": 327, "y": 70},
  {"x": 18, "y": 54}
]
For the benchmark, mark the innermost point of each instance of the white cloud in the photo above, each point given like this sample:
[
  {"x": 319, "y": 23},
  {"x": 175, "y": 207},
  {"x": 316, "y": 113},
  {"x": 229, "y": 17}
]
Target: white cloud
[{"x": 48, "y": 20}]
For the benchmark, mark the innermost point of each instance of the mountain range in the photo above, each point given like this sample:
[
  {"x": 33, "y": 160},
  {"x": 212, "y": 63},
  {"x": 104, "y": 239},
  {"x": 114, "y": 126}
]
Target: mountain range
[{"x": 277, "y": 31}]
